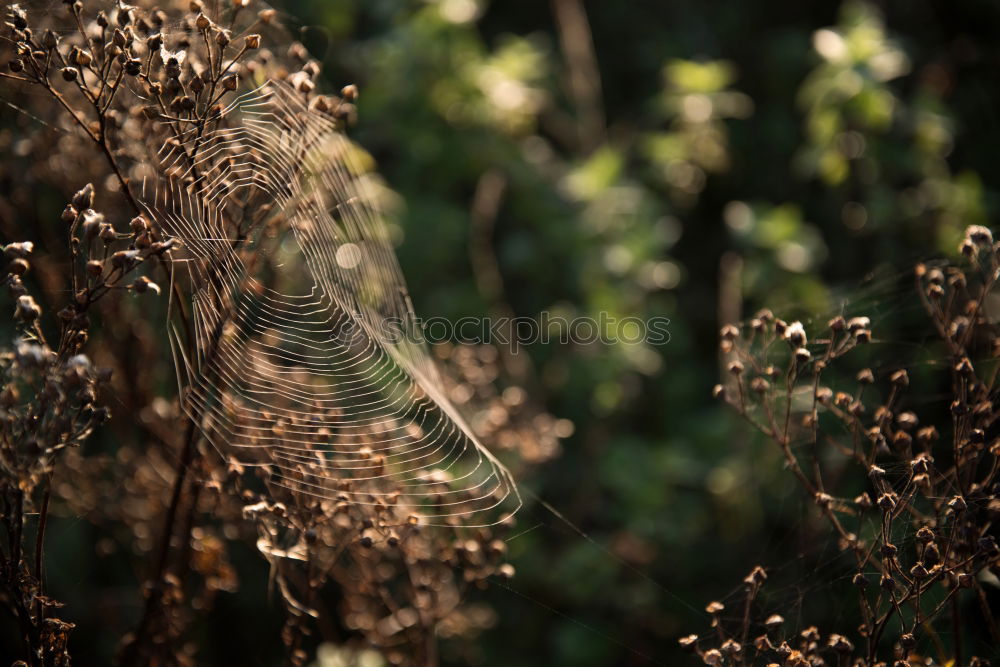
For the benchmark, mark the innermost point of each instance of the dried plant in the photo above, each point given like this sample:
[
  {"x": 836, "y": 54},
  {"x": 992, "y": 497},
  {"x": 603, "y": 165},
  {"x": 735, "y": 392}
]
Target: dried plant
[
  {"x": 920, "y": 534},
  {"x": 344, "y": 454}
]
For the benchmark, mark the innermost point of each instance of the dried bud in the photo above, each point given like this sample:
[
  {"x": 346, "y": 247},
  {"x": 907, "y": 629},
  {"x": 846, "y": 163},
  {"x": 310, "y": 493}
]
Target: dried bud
[
  {"x": 133, "y": 67},
  {"x": 94, "y": 268},
  {"x": 957, "y": 504},
  {"x": 138, "y": 224},
  {"x": 802, "y": 355},
  {"x": 979, "y": 235},
  {"x": 757, "y": 577},
  {"x": 714, "y": 607},
  {"x": 712, "y": 657},
  {"x": 840, "y": 644},
  {"x": 795, "y": 334},
  {"x": 887, "y": 501},
  {"x": 900, "y": 378},
  {"x": 731, "y": 647},
  {"x": 856, "y": 324},
  {"x": 252, "y": 41},
  {"x": 927, "y": 434},
  {"x": 84, "y": 198},
  {"x": 124, "y": 259},
  {"x": 18, "y": 266},
  {"x": 202, "y": 22},
  {"x": 231, "y": 82},
  {"x": 736, "y": 367},
  {"x": 143, "y": 284},
  {"x": 26, "y": 309},
  {"x": 18, "y": 250},
  {"x": 222, "y": 38},
  {"x": 349, "y": 92},
  {"x": 920, "y": 465},
  {"x": 68, "y": 74}
]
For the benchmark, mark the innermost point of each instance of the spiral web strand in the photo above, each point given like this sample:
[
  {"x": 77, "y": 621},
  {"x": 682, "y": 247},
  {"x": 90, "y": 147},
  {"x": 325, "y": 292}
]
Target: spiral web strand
[{"x": 308, "y": 361}]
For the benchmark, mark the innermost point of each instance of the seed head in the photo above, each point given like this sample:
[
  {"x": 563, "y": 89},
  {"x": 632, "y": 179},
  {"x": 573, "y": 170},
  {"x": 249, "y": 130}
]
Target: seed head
[
  {"x": 26, "y": 309},
  {"x": 856, "y": 324},
  {"x": 795, "y": 334},
  {"x": 143, "y": 284},
  {"x": 84, "y": 198},
  {"x": 840, "y": 644},
  {"x": 979, "y": 235},
  {"x": 887, "y": 501},
  {"x": 714, "y": 607},
  {"x": 731, "y": 647},
  {"x": 712, "y": 657}
]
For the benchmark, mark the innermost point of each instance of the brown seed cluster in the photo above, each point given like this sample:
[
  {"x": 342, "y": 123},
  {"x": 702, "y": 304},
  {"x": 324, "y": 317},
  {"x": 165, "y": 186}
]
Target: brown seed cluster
[
  {"x": 920, "y": 535},
  {"x": 125, "y": 85}
]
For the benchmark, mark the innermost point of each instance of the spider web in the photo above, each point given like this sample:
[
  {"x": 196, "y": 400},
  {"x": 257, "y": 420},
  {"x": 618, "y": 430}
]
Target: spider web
[{"x": 308, "y": 362}]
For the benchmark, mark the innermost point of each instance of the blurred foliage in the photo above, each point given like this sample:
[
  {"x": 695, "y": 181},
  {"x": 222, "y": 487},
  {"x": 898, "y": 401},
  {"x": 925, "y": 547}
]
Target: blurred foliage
[{"x": 761, "y": 152}]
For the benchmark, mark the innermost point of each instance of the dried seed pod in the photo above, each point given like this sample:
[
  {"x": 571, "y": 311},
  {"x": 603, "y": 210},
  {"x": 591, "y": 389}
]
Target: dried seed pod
[
  {"x": 84, "y": 198},
  {"x": 979, "y": 235},
  {"x": 688, "y": 643},
  {"x": 26, "y": 309},
  {"x": 957, "y": 504}
]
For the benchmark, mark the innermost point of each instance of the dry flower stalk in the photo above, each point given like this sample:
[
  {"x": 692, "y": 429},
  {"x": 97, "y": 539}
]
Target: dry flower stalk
[
  {"x": 920, "y": 534},
  {"x": 125, "y": 85}
]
